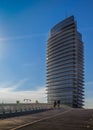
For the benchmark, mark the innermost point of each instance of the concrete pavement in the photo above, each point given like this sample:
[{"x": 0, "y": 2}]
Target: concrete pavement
[
  {"x": 56, "y": 119},
  {"x": 76, "y": 119},
  {"x": 9, "y": 123}
]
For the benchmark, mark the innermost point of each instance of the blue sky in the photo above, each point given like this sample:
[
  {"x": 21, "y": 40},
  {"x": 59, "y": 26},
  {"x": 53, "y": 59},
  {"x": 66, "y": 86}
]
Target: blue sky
[{"x": 24, "y": 29}]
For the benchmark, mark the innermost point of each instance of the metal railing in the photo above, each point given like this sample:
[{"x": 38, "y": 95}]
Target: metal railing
[{"x": 10, "y": 110}]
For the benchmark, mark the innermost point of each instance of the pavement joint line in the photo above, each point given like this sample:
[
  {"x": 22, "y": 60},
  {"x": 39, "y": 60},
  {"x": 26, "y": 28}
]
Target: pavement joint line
[{"x": 33, "y": 122}]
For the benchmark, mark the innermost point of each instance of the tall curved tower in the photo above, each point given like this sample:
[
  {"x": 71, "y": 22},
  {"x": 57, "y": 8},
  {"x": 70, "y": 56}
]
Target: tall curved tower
[{"x": 65, "y": 64}]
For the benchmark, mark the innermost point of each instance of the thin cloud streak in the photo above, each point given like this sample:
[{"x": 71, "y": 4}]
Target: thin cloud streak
[
  {"x": 22, "y": 37},
  {"x": 9, "y": 86}
]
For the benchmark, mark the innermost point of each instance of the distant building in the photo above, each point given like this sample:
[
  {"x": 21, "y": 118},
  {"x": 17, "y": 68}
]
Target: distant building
[{"x": 65, "y": 64}]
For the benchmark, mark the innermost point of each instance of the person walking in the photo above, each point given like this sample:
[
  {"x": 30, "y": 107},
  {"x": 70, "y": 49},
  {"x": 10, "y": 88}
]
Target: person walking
[
  {"x": 58, "y": 103},
  {"x": 55, "y": 103}
]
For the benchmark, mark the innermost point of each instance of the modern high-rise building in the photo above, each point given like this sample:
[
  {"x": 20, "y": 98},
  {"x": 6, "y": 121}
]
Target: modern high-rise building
[{"x": 65, "y": 64}]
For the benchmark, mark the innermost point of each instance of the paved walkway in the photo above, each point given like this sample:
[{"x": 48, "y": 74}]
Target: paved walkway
[
  {"x": 57, "y": 119},
  {"x": 70, "y": 120},
  {"x": 9, "y": 123}
]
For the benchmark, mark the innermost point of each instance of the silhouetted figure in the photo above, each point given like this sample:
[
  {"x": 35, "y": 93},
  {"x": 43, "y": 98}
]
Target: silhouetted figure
[
  {"x": 58, "y": 103},
  {"x": 55, "y": 104}
]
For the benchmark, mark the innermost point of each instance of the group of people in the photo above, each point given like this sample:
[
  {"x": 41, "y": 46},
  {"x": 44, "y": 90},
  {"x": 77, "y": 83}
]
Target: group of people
[{"x": 57, "y": 104}]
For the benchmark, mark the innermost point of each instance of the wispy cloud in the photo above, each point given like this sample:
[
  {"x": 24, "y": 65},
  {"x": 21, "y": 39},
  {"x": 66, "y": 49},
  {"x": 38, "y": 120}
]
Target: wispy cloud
[
  {"x": 20, "y": 83},
  {"x": 8, "y": 93},
  {"x": 22, "y": 37},
  {"x": 9, "y": 86},
  {"x": 15, "y": 37}
]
